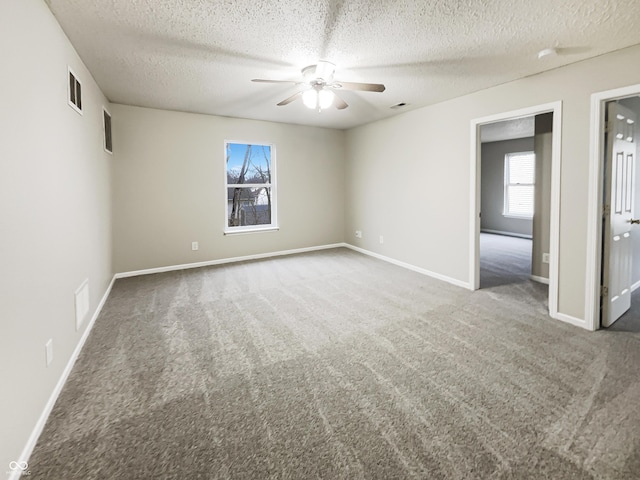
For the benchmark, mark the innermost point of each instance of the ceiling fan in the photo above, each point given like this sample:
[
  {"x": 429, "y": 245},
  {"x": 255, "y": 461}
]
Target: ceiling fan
[{"x": 318, "y": 87}]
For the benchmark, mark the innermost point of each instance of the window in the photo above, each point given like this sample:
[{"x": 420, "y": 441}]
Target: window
[
  {"x": 250, "y": 187},
  {"x": 75, "y": 92},
  {"x": 519, "y": 173},
  {"x": 108, "y": 141}
]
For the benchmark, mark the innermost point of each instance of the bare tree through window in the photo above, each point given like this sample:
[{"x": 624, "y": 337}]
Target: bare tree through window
[{"x": 249, "y": 185}]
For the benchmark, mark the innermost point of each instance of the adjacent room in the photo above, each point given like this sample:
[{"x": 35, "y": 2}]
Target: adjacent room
[{"x": 328, "y": 239}]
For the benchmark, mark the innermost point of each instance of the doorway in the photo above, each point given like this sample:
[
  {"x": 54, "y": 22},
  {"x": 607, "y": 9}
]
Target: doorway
[
  {"x": 508, "y": 182},
  {"x": 476, "y": 191},
  {"x": 613, "y": 294}
]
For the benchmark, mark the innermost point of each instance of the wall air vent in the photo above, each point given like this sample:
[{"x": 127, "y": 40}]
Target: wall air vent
[
  {"x": 75, "y": 92},
  {"x": 108, "y": 140}
]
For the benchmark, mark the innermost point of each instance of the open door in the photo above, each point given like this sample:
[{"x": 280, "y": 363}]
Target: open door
[{"x": 618, "y": 213}]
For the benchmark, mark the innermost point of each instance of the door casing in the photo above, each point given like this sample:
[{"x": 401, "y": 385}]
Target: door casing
[
  {"x": 596, "y": 179},
  {"x": 474, "y": 221}
]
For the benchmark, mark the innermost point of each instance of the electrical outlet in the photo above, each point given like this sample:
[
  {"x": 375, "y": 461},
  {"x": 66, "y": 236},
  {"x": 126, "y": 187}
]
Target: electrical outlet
[
  {"x": 48, "y": 348},
  {"x": 194, "y": 246},
  {"x": 545, "y": 258},
  {"x": 381, "y": 239},
  {"x": 358, "y": 233}
]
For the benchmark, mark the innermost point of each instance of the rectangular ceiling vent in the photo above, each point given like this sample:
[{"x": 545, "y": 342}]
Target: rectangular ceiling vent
[
  {"x": 108, "y": 140},
  {"x": 75, "y": 92}
]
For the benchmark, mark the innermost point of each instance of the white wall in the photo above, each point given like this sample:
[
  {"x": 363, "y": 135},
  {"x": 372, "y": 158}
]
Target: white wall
[
  {"x": 408, "y": 176},
  {"x": 54, "y": 210},
  {"x": 492, "y": 187},
  {"x": 169, "y": 187}
]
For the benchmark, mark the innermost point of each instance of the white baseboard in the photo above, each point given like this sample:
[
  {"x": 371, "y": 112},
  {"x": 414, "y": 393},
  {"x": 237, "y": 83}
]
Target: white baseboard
[
  {"x": 538, "y": 279},
  {"x": 635, "y": 286},
  {"x": 578, "y": 322},
  {"x": 37, "y": 430},
  {"x": 221, "y": 261},
  {"x": 444, "y": 278},
  {"x": 508, "y": 234}
]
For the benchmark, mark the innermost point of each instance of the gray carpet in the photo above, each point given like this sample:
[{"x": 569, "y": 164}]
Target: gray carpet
[
  {"x": 334, "y": 365},
  {"x": 630, "y": 321},
  {"x": 506, "y": 261}
]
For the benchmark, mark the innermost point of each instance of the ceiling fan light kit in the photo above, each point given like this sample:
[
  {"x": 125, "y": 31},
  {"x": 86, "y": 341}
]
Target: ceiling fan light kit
[
  {"x": 319, "y": 91},
  {"x": 318, "y": 99}
]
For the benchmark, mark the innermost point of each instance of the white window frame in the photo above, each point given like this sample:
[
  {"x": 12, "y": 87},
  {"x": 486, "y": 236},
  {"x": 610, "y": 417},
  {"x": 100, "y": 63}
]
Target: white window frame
[
  {"x": 506, "y": 211},
  {"x": 273, "y": 226},
  {"x": 75, "y": 93}
]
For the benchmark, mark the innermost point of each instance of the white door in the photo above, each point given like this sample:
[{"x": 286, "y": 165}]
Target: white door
[{"x": 618, "y": 213}]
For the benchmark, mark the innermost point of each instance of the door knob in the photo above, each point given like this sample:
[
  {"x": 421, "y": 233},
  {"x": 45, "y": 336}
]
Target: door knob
[{"x": 634, "y": 221}]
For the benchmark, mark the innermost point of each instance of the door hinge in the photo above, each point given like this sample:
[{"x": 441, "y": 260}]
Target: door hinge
[
  {"x": 604, "y": 291},
  {"x": 606, "y": 210}
]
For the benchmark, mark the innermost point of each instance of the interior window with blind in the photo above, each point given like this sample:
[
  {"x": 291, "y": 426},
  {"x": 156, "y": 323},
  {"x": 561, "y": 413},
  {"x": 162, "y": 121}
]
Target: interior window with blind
[{"x": 519, "y": 181}]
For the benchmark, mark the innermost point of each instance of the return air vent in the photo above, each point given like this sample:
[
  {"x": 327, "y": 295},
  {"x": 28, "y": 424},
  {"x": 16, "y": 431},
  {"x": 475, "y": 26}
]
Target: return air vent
[
  {"x": 108, "y": 140},
  {"x": 75, "y": 92}
]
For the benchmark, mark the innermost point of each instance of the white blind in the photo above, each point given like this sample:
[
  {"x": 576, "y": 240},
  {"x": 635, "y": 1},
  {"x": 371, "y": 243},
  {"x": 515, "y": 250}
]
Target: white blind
[{"x": 519, "y": 184}]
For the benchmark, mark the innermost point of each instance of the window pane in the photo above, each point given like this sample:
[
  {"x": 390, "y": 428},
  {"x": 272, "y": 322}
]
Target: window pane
[
  {"x": 248, "y": 163},
  {"x": 520, "y": 200},
  {"x": 521, "y": 168},
  {"x": 248, "y": 206}
]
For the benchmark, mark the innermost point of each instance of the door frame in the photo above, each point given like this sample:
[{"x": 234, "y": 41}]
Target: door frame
[
  {"x": 596, "y": 179},
  {"x": 475, "y": 190}
]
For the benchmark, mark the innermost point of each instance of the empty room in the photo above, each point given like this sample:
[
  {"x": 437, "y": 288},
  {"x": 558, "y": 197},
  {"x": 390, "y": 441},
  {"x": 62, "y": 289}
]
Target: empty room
[{"x": 331, "y": 239}]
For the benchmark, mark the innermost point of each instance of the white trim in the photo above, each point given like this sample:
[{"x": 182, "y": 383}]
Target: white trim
[
  {"x": 221, "y": 261},
  {"x": 538, "y": 279},
  {"x": 444, "y": 278},
  {"x": 578, "y": 322},
  {"x": 69, "y": 102},
  {"x": 474, "y": 197},
  {"x": 594, "y": 219},
  {"x": 39, "y": 426},
  {"x": 506, "y": 234},
  {"x": 635, "y": 286},
  {"x": 251, "y": 229}
]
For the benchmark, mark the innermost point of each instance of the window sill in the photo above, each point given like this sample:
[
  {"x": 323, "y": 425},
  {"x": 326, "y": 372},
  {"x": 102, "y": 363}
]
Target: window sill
[
  {"x": 519, "y": 217},
  {"x": 242, "y": 231}
]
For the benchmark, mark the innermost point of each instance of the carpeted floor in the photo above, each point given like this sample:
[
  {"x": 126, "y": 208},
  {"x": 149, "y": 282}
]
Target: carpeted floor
[
  {"x": 334, "y": 365},
  {"x": 506, "y": 261}
]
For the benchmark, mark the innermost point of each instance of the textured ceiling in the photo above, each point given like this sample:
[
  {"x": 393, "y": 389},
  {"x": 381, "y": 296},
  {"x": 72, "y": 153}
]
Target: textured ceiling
[
  {"x": 200, "y": 55},
  {"x": 508, "y": 129}
]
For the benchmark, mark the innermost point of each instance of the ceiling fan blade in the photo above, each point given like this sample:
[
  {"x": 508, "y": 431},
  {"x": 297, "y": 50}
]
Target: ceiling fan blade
[
  {"x": 287, "y": 101},
  {"x": 339, "y": 103},
  {"x": 363, "y": 87},
  {"x": 262, "y": 80}
]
